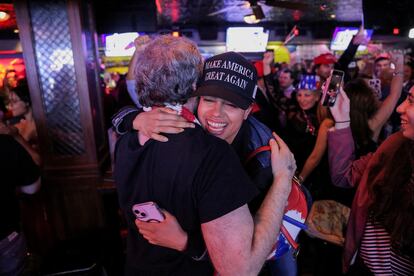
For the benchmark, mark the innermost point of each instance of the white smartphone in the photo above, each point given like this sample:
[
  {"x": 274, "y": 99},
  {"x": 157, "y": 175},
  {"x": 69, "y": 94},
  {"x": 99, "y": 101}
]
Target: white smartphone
[
  {"x": 148, "y": 212},
  {"x": 375, "y": 84},
  {"x": 331, "y": 89}
]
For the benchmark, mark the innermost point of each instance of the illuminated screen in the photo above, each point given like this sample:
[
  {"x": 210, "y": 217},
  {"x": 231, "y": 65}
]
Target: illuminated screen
[
  {"x": 246, "y": 39},
  {"x": 343, "y": 36},
  {"x": 117, "y": 45}
]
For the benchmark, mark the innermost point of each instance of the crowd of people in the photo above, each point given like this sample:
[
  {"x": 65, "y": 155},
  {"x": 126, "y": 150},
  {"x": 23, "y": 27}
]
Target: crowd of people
[
  {"x": 160, "y": 158},
  {"x": 217, "y": 144}
]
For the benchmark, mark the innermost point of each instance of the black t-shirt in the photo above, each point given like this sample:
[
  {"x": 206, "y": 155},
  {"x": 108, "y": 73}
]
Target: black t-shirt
[
  {"x": 195, "y": 176},
  {"x": 16, "y": 169}
]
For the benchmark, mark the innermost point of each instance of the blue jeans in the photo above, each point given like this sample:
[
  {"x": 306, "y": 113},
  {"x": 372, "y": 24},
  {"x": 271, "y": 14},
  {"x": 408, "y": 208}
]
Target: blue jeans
[
  {"x": 12, "y": 254},
  {"x": 286, "y": 265}
]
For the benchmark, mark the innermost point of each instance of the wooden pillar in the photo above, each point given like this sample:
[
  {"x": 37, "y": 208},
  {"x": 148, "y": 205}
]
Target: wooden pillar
[{"x": 60, "y": 53}]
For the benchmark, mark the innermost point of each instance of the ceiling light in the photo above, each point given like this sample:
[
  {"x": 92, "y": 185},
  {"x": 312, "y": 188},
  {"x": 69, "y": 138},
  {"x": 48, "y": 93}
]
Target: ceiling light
[
  {"x": 333, "y": 16},
  {"x": 251, "y": 19},
  {"x": 4, "y": 16},
  {"x": 411, "y": 33}
]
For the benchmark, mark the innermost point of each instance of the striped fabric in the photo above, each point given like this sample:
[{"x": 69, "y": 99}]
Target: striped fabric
[{"x": 378, "y": 253}]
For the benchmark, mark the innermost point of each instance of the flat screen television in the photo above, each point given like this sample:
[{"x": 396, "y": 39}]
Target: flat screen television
[
  {"x": 118, "y": 45},
  {"x": 246, "y": 39},
  {"x": 342, "y": 36}
]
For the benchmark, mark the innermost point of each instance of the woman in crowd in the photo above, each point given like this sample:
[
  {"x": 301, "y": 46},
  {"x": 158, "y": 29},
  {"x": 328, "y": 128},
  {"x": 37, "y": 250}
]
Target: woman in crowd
[
  {"x": 307, "y": 126},
  {"x": 21, "y": 108},
  {"x": 381, "y": 225},
  {"x": 22, "y": 126},
  {"x": 302, "y": 121},
  {"x": 368, "y": 115}
]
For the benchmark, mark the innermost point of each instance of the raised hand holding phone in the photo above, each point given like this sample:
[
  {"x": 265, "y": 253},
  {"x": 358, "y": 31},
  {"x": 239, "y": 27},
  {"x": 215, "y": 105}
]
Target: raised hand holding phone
[
  {"x": 361, "y": 37},
  {"x": 268, "y": 59},
  {"x": 397, "y": 58},
  {"x": 332, "y": 88},
  {"x": 340, "y": 111}
]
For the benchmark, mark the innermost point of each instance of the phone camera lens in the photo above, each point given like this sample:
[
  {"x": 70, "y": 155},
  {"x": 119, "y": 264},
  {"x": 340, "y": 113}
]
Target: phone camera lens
[{"x": 143, "y": 215}]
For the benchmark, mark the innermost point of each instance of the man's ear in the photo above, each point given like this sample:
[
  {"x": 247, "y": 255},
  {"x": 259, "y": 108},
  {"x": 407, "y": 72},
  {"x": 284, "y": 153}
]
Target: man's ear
[{"x": 247, "y": 112}]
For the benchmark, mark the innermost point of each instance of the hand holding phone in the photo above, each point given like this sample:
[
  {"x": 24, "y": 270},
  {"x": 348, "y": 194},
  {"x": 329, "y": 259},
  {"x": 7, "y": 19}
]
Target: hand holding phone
[
  {"x": 148, "y": 212},
  {"x": 332, "y": 88},
  {"x": 375, "y": 84},
  {"x": 397, "y": 58}
]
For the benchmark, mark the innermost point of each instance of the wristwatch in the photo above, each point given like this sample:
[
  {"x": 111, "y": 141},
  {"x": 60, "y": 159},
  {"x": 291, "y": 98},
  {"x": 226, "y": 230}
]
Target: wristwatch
[{"x": 398, "y": 73}]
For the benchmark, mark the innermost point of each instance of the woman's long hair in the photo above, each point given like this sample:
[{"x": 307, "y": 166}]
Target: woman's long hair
[
  {"x": 22, "y": 91},
  {"x": 392, "y": 191},
  {"x": 363, "y": 106}
]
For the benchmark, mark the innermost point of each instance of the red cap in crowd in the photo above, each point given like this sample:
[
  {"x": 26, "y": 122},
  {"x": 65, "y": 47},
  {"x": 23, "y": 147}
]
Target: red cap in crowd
[
  {"x": 327, "y": 58},
  {"x": 382, "y": 56}
]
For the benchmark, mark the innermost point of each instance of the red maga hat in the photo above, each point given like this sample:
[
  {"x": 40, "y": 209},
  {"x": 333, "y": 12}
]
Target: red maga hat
[
  {"x": 327, "y": 58},
  {"x": 382, "y": 56}
]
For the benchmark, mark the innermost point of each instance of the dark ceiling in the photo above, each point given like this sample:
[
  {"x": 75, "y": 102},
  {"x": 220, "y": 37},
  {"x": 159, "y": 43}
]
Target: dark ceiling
[
  {"x": 195, "y": 12},
  {"x": 153, "y": 15},
  {"x": 149, "y": 15},
  {"x": 320, "y": 17}
]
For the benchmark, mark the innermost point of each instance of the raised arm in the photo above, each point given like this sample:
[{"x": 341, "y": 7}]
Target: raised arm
[
  {"x": 345, "y": 172},
  {"x": 359, "y": 39},
  {"x": 268, "y": 75},
  {"x": 267, "y": 63},
  {"x": 318, "y": 150},
  {"x": 389, "y": 104},
  {"x": 239, "y": 245}
]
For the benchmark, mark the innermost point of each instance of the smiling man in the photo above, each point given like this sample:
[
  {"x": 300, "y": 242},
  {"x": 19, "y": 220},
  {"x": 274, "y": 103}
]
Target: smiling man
[{"x": 225, "y": 102}]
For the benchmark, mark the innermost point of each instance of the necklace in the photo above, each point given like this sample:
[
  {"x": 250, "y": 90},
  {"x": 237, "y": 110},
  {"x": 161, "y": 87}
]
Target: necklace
[{"x": 310, "y": 128}]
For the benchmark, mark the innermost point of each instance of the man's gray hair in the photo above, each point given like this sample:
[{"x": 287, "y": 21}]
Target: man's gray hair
[{"x": 167, "y": 70}]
